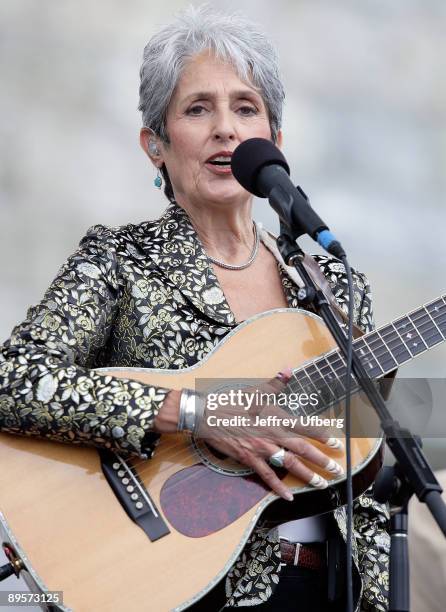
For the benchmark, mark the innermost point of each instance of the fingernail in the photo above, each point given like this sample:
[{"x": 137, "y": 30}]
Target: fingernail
[
  {"x": 288, "y": 496},
  {"x": 334, "y": 467},
  {"x": 318, "y": 482},
  {"x": 286, "y": 374},
  {"x": 334, "y": 443}
]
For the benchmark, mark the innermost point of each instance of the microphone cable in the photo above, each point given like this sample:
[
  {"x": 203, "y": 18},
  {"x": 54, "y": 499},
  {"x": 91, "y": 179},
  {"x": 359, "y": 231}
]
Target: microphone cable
[{"x": 349, "y": 582}]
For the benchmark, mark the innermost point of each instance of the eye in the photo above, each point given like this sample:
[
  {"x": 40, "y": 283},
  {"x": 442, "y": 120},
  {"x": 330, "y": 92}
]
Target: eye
[
  {"x": 248, "y": 110},
  {"x": 195, "y": 110}
]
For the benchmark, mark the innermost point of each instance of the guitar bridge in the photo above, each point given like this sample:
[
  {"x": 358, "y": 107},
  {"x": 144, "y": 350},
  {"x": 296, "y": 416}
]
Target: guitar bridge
[{"x": 132, "y": 495}]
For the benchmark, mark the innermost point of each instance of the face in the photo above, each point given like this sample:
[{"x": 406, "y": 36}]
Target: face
[{"x": 211, "y": 112}]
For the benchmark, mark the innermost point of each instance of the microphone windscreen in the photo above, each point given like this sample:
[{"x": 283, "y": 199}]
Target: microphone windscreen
[{"x": 250, "y": 157}]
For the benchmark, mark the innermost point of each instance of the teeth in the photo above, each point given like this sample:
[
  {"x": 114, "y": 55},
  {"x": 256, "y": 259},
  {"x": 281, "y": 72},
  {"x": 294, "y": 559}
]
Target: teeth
[{"x": 226, "y": 160}]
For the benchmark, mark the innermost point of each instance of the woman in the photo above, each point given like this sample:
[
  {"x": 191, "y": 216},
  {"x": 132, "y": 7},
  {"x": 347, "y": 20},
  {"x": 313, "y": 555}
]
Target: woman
[{"x": 162, "y": 294}]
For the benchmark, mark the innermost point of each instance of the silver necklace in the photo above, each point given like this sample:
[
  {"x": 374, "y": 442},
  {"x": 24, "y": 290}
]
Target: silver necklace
[{"x": 255, "y": 250}]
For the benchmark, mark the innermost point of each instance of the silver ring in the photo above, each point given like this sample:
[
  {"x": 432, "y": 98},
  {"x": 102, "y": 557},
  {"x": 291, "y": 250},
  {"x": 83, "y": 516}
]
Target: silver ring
[{"x": 277, "y": 458}]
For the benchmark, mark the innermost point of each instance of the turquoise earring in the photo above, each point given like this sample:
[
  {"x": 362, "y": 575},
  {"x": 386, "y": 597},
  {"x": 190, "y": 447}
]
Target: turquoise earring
[{"x": 158, "y": 180}]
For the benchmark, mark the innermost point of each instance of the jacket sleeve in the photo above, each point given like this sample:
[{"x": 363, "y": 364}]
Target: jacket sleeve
[{"x": 47, "y": 385}]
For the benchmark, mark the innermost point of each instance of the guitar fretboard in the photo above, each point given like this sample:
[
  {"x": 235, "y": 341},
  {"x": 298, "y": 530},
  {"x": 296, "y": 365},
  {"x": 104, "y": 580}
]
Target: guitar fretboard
[{"x": 381, "y": 351}]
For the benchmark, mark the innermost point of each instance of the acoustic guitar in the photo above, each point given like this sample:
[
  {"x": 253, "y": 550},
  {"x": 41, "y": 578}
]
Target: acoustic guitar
[{"x": 160, "y": 534}]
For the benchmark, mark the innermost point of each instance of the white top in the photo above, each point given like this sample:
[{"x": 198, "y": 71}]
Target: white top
[{"x": 311, "y": 529}]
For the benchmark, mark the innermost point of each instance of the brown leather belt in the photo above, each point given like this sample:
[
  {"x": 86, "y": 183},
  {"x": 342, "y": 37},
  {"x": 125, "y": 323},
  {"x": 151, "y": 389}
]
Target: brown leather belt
[{"x": 311, "y": 556}]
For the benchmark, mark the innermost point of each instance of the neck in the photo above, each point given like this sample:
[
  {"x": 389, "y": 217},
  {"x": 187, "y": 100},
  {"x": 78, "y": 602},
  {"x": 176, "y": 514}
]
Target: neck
[{"x": 225, "y": 232}]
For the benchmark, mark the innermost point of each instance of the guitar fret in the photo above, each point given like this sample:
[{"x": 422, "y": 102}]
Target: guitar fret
[
  {"x": 314, "y": 374},
  {"x": 308, "y": 391},
  {"x": 433, "y": 321},
  {"x": 311, "y": 373},
  {"x": 395, "y": 344},
  {"x": 295, "y": 387},
  {"x": 338, "y": 366},
  {"x": 428, "y": 331},
  {"x": 323, "y": 390},
  {"x": 437, "y": 310},
  {"x": 299, "y": 377},
  {"x": 409, "y": 335},
  {"x": 367, "y": 358},
  {"x": 388, "y": 349},
  {"x": 380, "y": 352},
  {"x": 330, "y": 376},
  {"x": 303, "y": 381},
  {"x": 294, "y": 383},
  {"x": 327, "y": 382}
]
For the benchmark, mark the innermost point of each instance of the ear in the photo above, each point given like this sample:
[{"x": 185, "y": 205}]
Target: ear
[
  {"x": 147, "y": 136},
  {"x": 279, "y": 141}
]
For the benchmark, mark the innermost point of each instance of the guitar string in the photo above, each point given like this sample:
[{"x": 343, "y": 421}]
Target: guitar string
[
  {"x": 184, "y": 450},
  {"x": 400, "y": 346},
  {"x": 338, "y": 364},
  {"x": 322, "y": 377},
  {"x": 416, "y": 311},
  {"x": 432, "y": 332},
  {"x": 433, "y": 328},
  {"x": 180, "y": 450},
  {"x": 341, "y": 363}
]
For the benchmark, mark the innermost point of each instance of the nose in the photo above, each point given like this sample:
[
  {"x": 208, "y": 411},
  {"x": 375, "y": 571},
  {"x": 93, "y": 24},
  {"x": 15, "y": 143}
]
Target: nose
[{"x": 223, "y": 128}]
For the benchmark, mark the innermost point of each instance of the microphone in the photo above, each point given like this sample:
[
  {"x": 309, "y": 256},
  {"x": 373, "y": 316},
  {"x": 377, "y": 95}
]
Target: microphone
[{"x": 259, "y": 166}]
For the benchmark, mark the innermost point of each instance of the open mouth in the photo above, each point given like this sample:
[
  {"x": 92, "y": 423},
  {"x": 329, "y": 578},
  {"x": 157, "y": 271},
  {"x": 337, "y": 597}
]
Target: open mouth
[{"x": 220, "y": 163}]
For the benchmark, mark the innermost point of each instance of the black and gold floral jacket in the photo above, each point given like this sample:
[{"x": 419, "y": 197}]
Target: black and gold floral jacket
[{"x": 146, "y": 296}]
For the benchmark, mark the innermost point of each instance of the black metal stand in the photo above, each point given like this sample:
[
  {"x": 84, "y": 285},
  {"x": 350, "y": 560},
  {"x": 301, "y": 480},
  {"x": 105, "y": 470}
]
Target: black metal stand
[
  {"x": 6, "y": 571},
  {"x": 414, "y": 467},
  {"x": 391, "y": 487}
]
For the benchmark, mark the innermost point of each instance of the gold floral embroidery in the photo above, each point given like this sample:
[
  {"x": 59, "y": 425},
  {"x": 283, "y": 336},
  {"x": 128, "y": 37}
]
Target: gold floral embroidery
[{"x": 146, "y": 296}]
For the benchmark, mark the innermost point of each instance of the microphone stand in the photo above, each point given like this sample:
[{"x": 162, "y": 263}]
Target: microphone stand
[
  {"x": 391, "y": 487},
  {"x": 414, "y": 471}
]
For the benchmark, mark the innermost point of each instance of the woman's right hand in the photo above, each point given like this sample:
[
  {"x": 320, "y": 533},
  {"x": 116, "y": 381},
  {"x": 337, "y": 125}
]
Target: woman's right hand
[{"x": 254, "y": 445}]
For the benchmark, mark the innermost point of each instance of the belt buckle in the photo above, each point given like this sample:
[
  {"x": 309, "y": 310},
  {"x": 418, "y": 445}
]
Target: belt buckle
[
  {"x": 285, "y": 540},
  {"x": 297, "y": 552}
]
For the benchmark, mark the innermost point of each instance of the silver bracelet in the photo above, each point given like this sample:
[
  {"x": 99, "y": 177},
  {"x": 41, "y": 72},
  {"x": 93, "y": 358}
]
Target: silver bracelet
[{"x": 191, "y": 411}]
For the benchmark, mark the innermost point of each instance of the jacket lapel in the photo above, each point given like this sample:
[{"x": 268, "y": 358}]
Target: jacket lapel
[{"x": 173, "y": 245}]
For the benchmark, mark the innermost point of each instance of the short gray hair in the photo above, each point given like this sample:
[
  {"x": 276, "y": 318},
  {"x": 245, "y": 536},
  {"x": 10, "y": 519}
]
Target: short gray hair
[{"x": 231, "y": 38}]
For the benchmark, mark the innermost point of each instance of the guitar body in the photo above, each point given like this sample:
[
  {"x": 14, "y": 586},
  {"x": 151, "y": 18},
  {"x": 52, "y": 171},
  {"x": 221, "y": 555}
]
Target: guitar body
[{"x": 64, "y": 521}]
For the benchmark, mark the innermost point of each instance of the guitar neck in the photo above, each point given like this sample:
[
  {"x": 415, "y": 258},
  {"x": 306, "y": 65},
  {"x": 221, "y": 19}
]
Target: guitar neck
[{"x": 381, "y": 351}]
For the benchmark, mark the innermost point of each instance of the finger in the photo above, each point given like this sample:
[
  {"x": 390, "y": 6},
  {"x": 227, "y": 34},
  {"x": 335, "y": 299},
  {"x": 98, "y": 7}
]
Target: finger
[
  {"x": 300, "y": 470},
  {"x": 271, "y": 388},
  {"x": 302, "y": 448},
  {"x": 305, "y": 450},
  {"x": 285, "y": 374},
  {"x": 317, "y": 433},
  {"x": 281, "y": 378},
  {"x": 335, "y": 443},
  {"x": 268, "y": 476},
  {"x": 320, "y": 436},
  {"x": 279, "y": 381}
]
